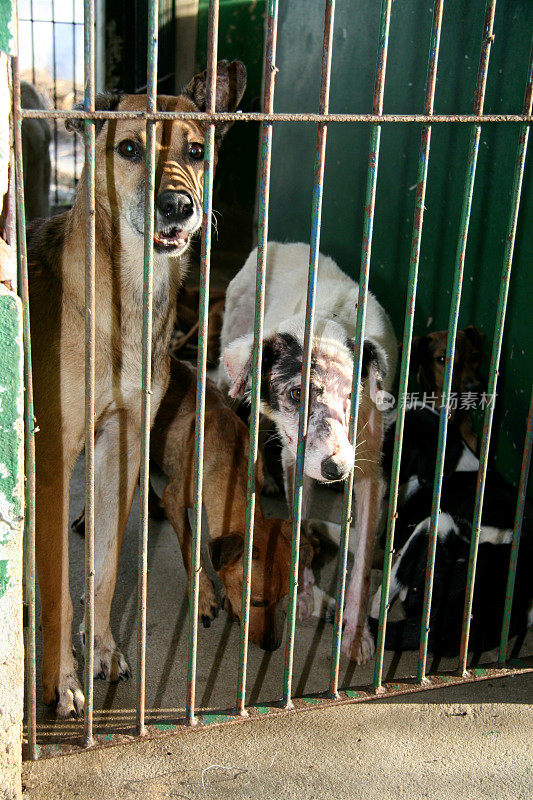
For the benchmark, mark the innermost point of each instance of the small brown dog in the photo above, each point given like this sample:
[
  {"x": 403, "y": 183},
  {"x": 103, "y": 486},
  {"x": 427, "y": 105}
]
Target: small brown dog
[
  {"x": 56, "y": 259},
  {"x": 226, "y": 445},
  {"x": 428, "y": 360}
]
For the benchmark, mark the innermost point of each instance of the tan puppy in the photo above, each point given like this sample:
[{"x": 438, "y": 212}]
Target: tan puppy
[
  {"x": 224, "y": 498},
  {"x": 56, "y": 261}
]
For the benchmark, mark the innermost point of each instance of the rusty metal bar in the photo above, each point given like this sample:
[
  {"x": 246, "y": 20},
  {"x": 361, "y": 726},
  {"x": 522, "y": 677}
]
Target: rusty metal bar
[
  {"x": 29, "y": 426},
  {"x": 54, "y": 79},
  {"x": 522, "y": 488},
  {"x": 452, "y": 331},
  {"x": 370, "y": 200},
  {"x": 146, "y": 376},
  {"x": 205, "y": 269},
  {"x": 493, "y": 371},
  {"x": 264, "y": 189},
  {"x": 256, "y": 116},
  {"x": 423, "y": 162},
  {"x": 74, "y": 92},
  {"x": 90, "y": 356},
  {"x": 318, "y": 190}
]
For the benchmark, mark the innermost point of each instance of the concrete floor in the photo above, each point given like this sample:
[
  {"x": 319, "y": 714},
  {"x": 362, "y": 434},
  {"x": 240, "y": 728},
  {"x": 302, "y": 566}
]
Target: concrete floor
[{"x": 466, "y": 742}]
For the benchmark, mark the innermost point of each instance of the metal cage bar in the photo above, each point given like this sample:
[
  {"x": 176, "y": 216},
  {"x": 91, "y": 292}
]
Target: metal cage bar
[
  {"x": 452, "y": 332},
  {"x": 423, "y": 163},
  {"x": 370, "y": 200},
  {"x": 256, "y": 116},
  {"x": 29, "y": 427},
  {"x": 513, "y": 558},
  {"x": 493, "y": 371},
  {"x": 205, "y": 269},
  {"x": 318, "y": 190},
  {"x": 262, "y": 239},
  {"x": 146, "y": 378},
  {"x": 90, "y": 357}
]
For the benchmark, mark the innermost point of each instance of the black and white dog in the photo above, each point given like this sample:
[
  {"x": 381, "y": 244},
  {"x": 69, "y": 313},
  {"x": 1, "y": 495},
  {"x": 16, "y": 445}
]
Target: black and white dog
[
  {"x": 329, "y": 456},
  {"x": 453, "y": 544}
]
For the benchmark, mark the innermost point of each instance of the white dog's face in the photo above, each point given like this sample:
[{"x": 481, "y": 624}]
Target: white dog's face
[{"x": 329, "y": 456}]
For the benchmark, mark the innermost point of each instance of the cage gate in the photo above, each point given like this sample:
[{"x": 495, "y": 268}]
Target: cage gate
[{"x": 74, "y": 738}]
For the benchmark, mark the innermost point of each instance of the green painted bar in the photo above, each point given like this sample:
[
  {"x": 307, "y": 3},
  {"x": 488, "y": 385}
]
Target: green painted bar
[
  {"x": 423, "y": 164},
  {"x": 524, "y": 476},
  {"x": 90, "y": 358},
  {"x": 493, "y": 372},
  {"x": 203, "y": 313},
  {"x": 262, "y": 239},
  {"x": 452, "y": 332},
  {"x": 368, "y": 225},
  {"x": 146, "y": 377}
]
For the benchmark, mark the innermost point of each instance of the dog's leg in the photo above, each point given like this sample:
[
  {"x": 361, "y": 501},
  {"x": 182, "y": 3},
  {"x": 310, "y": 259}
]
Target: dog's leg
[
  {"x": 178, "y": 517},
  {"x": 117, "y": 457},
  {"x": 54, "y": 467},
  {"x": 357, "y": 641}
]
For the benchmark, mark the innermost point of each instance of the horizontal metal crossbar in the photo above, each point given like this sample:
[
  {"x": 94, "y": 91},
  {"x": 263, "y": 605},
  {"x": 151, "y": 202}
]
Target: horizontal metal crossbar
[{"x": 257, "y": 116}]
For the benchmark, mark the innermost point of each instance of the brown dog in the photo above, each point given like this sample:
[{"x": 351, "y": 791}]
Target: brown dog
[
  {"x": 56, "y": 262},
  {"x": 429, "y": 360},
  {"x": 226, "y": 445}
]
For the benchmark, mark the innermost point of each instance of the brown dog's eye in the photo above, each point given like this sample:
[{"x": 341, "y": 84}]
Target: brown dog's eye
[
  {"x": 259, "y": 603},
  {"x": 128, "y": 149},
  {"x": 441, "y": 359},
  {"x": 295, "y": 394},
  {"x": 196, "y": 151}
]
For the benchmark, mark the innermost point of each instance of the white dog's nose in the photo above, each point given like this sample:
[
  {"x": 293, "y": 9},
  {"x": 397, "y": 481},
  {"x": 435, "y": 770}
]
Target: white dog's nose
[{"x": 334, "y": 469}]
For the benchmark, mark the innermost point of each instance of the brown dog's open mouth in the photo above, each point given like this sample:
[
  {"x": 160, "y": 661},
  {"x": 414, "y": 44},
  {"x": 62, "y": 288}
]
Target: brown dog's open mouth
[{"x": 171, "y": 238}]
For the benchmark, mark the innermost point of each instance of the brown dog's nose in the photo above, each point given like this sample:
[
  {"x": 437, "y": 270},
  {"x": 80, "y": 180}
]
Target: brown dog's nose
[
  {"x": 175, "y": 206},
  {"x": 270, "y": 643}
]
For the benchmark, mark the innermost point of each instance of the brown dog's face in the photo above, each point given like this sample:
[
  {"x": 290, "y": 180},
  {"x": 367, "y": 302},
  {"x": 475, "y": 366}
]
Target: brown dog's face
[
  {"x": 179, "y": 161},
  {"x": 271, "y": 558},
  {"x": 429, "y": 360}
]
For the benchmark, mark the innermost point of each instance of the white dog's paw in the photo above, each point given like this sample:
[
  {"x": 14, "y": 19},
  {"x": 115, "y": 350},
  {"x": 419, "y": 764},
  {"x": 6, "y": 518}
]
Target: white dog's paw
[
  {"x": 305, "y": 603},
  {"x": 356, "y": 644},
  {"x": 65, "y": 694}
]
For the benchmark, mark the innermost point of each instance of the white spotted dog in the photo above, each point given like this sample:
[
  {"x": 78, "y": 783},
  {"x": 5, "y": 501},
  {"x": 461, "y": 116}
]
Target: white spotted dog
[{"x": 329, "y": 456}]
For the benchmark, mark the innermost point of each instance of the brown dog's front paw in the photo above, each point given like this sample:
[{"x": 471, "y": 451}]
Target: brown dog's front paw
[
  {"x": 65, "y": 695},
  {"x": 358, "y": 645},
  {"x": 208, "y": 605},
  {"x": 109, "y": 663}
]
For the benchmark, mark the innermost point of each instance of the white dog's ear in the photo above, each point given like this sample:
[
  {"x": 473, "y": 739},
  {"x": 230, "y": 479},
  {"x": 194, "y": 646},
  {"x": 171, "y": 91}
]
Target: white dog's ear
[
  {"x": 237, "y": 360},
  {"x": 374, "y": 366}
]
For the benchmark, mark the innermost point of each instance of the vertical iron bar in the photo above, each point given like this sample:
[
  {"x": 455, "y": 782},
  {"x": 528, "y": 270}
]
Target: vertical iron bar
[
  {"x": 522, "y": 488},
  {"x": 379, "y": 89},
  {"x": 146, "y": 372},
  {"x": 423, "y": 161},
  {"x": 318, "y": 189},
  {"x": 74, "y": 137},
  {"x": 264, "y": 188},
  {"x": 54, "y": 78},
  {"x": 452, "y": 332},
  {"x": 32, "y": 45},
  {"x": 493, "y": 371},
  {"x": 205, "y": 267},
  {"x": 90, "y": 355},
  {"x": 29, "y": 424}
]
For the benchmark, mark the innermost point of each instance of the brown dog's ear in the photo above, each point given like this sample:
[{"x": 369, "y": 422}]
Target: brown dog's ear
[
  {"x": 476, "y": 337},
  {"x": 104, "y": 101},
  {"x": 231, "y": 84},
  {"x": 225, "y": 550}
]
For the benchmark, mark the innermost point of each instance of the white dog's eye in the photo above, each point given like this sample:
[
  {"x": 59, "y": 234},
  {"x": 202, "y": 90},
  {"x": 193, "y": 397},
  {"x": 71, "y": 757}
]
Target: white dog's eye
[{"x": 295, "y": 394}]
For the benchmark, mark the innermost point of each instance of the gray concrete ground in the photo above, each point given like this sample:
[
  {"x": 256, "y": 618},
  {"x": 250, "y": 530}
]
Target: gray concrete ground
[{"x": 462, "y": 742}]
